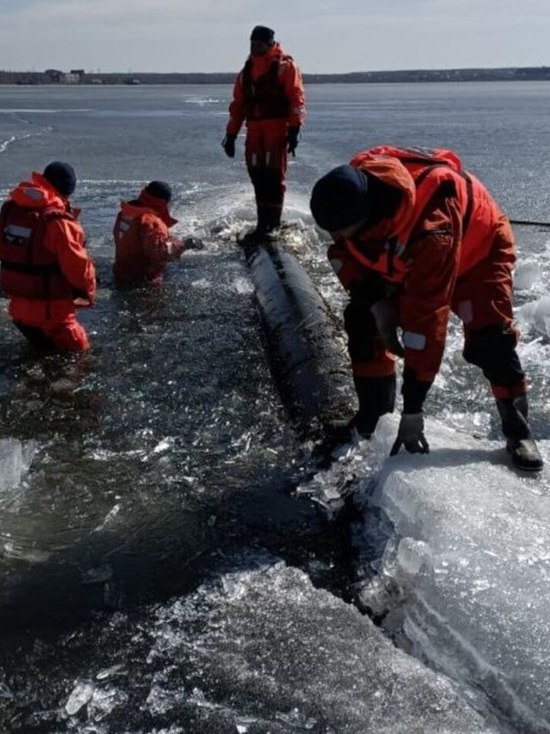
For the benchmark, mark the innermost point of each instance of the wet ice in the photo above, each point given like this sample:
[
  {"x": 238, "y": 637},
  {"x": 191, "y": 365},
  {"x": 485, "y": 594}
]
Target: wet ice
[{"x": 469, "y": 558}]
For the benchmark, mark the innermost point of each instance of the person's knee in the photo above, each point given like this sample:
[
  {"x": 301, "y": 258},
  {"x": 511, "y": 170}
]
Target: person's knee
[
  {"x": 493, "y": 349},
  {"x": 483, "y": 345}
]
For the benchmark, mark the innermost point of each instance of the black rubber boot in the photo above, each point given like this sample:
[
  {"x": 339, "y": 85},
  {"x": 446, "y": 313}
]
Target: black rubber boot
[
  {"x": 519, "y": 441},
  {"x": 376, "y": 397},
  {"x": 269, "y": 220}
]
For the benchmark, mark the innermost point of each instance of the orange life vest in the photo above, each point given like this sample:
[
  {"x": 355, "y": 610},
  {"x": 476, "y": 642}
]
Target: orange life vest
[
  {"x": 422, "y": 175},
  {"x": 28, "y": 268},
  {"x": 265, "y": 97}
]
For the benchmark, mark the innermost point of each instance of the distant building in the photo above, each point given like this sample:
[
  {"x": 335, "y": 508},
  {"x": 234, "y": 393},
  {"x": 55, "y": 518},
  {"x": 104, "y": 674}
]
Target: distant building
[
  {"x": 80, "y": 73},
  {"x": 54, "y": 75}
]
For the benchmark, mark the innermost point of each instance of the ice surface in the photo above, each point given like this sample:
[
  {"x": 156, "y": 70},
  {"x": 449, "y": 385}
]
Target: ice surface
[
  {"x": 471, "y": 560},
  {"x": 80, "y": 696},
  {"x": 526, "y": 275},
  {"x": 15, "y": 459},
  {"x": 299, "y": 659},
  {"x": 537, "y": 314}
]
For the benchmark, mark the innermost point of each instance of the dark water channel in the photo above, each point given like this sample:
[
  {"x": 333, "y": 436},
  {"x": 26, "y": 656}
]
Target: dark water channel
[{"x": 162, "y": 449}]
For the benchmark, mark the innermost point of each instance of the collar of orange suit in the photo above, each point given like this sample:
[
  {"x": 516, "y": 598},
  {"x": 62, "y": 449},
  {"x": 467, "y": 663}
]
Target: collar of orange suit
[
  {"x": 158, "y": 206},
  {"x": 38, "y": 193},
  {"x": 392, "y": 172},
  {"x": 260, "y": 64}
]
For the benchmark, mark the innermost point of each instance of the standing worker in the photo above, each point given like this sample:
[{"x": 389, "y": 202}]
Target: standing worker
[
  {"x": 268, "y": 94},
  {"x": 45, "y": 270},
  {"x": 416, "y": 236},
  {"x": 143, "y": 242}
]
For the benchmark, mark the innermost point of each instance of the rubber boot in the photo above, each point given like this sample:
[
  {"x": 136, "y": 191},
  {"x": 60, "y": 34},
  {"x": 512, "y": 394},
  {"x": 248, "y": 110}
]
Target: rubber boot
[
  {"x": 257, "y": 235},
  {"x": 269, "y": 220},
  {"x": 519, "y": 441},
  {"x": 376, "y": 397}
]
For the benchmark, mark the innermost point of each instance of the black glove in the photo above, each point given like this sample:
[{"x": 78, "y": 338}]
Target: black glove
[
  {"x": 228, "y": 144},
  {"x": 292, "y": 139},
  {"x": 193, "y": 243},
  {"x": 411, "y": 435}
]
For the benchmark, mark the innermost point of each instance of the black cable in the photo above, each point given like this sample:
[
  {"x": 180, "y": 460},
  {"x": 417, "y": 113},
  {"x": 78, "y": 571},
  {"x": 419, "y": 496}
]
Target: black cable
[{"x": 528, "y": 223}]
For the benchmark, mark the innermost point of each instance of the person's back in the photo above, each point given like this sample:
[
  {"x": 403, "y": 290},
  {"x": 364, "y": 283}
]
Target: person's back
[
  {"x": 46, "y": 271},
  {"x": 143, "y": 244}
]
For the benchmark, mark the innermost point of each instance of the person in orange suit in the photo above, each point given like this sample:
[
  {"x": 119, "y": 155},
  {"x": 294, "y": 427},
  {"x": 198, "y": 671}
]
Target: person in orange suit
[
  {"x": 416, "y": 236},
  {"x": 45, "y": 270},
  {"x": 268, "y": 95},
  {"x": 143, "y": 243}
]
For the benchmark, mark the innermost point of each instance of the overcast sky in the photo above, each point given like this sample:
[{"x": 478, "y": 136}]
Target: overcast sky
[{"x": 322, "y": 35}]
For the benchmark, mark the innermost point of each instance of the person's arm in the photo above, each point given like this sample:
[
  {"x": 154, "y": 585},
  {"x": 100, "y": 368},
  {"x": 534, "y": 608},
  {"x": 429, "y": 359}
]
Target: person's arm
[
  {"x": 236, "y": 108},
  {"x": 294, "y": 90},
  {"x": 345, "y": 266},
  {"x": 425, "y": 301},
  {"x": 65, "y": 239},
  {"x": 158, "y": 245}
]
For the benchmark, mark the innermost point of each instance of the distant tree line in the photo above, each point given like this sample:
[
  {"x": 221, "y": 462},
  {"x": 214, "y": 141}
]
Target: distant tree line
[{"x": 51, "y": 76}]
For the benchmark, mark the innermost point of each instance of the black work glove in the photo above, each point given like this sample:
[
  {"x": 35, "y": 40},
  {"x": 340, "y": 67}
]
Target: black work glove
[
  {"x": 411, "y": 435},
  {"x": 292, "y": 139},
  {"x": 193, "y": 243},
  {"x": 228, "y": 144}
]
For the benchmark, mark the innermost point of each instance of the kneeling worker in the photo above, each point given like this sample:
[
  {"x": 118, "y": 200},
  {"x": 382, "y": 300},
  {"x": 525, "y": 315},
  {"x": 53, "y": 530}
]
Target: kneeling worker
[
  {"x": 143, "y": 243},
  {"x": 45, "y": 270}
]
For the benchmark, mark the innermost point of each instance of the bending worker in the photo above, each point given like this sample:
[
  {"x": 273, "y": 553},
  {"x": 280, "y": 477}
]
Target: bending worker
[
  {"x": 45, "y": 269},
  {"x": 416, "y": 236},
  {"x": 268, "y": 94},
  {"x": 143, "y": 243}
]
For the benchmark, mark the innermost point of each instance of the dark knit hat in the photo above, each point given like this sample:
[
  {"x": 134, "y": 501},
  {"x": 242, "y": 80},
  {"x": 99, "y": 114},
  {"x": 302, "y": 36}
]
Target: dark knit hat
[
  {"x": 159, "y": 189},
  {"x": 264, "y": 34},
  {"x": 61, "y": 176},
  {"x": 340, "y": 198}
]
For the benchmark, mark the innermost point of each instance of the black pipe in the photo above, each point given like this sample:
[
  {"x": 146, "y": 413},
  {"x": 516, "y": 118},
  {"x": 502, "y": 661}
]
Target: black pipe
[{"x": 307, "y": 351}]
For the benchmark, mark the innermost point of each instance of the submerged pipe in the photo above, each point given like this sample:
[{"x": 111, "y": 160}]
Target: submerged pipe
[{"x": 306, "y": 347}]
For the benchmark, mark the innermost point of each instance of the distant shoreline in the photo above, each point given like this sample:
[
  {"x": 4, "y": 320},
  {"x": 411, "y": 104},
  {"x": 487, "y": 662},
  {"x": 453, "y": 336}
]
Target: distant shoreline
[{"x": 81, "y": 77}]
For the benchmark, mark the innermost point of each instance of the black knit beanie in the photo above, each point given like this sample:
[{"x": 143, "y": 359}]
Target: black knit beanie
[
  {"x": 159, "y": 189},
  {"x": 263, "y": 34},
  {"x": 340, "y": 198},
  {"x": 61, "y": 176}
]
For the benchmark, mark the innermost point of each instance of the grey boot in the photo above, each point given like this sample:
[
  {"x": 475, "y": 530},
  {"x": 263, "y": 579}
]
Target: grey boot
[{"x": 519, "y": 440}]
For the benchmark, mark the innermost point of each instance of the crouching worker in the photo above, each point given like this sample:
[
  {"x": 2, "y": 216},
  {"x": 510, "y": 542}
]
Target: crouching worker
[
  {"x": 143, "y": 243},
  {"x": 416, "y": 236},
  {"x": 45, "y": 270}
]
